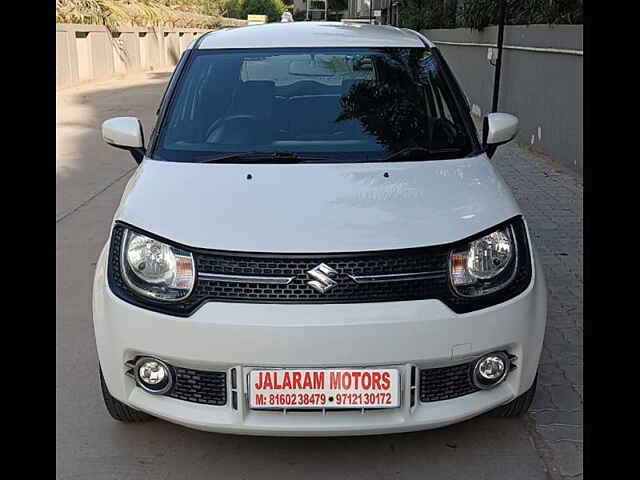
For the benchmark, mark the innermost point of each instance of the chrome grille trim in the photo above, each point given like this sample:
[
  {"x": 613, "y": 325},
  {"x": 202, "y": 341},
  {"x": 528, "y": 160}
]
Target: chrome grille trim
[
  {"x": 398, "y": 277},
  {"x": 219, "y": 277}
]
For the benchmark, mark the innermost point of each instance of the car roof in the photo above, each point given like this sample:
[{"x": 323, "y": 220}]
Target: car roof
[{"x": 312, "y": 34}]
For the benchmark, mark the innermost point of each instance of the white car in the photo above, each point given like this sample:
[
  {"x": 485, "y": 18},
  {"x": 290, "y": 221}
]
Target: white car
[{"x": 316, "y": 243}]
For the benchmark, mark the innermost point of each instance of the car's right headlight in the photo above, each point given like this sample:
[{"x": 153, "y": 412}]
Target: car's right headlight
[{"x": 154, "y": 269}]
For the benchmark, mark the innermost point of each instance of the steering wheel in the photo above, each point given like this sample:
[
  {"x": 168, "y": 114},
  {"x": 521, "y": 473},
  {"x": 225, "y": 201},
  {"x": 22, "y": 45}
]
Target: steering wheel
[{"x": 221, "y": 121}]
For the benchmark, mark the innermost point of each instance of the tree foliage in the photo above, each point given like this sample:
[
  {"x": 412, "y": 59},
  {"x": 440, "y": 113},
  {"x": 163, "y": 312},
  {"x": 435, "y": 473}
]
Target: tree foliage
[
  {"x": 172, "y": 13},
  {"x": 422, "y": 14},
  {"x": 272, "y": 8},
  {"x": 477, "y": 14},
  {"x": 233, "y": 9}
]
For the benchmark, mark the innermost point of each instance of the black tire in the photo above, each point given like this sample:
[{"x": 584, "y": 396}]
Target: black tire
[
  {"x": 518, "y": 406},
  {"x": 118, "y": 410}
]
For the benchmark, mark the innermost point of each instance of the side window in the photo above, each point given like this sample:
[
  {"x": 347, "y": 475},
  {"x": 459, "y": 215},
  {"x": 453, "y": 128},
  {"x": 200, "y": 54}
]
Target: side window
[
  {"x": 444, "y": 111},
  {"x": 437, "y": 97},
  {"x": 193, "y": 102},
  {"x": 446, "y": 121},
  {"x": 162, "y": 105},
  {"x": 172, "y": 80},
  {"x": 202, "y": 98}
]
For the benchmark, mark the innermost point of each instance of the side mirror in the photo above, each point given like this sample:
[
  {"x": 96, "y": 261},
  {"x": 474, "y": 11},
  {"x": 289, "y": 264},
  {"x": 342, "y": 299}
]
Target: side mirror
[
  {"x": 498, "y": 128},
  {"x": 125, "y": 133}
]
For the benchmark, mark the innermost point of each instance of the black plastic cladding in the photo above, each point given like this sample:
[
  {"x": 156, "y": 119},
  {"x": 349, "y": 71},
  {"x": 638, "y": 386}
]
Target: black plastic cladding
[
  {"x": 199, "y": 386},
  {"x": 424, "y": 259},
  {"x": 438, "y": 384}
]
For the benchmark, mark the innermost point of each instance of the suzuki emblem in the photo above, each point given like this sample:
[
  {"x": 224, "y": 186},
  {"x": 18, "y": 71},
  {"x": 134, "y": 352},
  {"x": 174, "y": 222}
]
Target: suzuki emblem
[{"x": 322, "y": 278}]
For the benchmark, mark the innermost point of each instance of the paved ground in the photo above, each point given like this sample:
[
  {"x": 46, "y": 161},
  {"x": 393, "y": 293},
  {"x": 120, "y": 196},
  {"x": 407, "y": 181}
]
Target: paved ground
[
  {"x": 90, "y": 180},
  {"x": 552, "y": 203}
]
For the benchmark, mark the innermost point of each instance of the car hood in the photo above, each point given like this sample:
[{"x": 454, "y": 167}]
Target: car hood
[{"x": 313, "y": 207}]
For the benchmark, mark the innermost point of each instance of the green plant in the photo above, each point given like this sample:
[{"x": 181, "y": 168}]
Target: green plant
[
  {"x": 423, "y": 14},
  {"x": 273, "y": 9},
  {"x": 232, "y": 8},
  {"x": 477, "y": 14}
]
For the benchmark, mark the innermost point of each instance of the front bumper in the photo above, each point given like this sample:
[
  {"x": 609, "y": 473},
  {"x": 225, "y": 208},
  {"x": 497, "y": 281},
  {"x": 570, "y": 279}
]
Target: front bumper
[{"x": 221, "y": 336}]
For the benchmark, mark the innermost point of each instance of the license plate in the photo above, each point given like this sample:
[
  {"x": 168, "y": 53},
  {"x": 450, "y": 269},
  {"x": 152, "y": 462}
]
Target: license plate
[{"x": 324, "y": 388}]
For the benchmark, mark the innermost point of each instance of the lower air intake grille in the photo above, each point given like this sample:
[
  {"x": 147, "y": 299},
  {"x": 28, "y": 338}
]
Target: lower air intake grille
[
  {"x": 199, "y": 386},
  {"x": 448, "y": 382}
]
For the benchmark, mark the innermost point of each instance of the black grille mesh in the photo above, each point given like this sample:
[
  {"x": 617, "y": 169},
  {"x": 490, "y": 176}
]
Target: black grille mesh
[
  {"x": 199, "y": 386},
  {"x": 299, "y": 292},
  {"x": 447, "y": 382},
  {"x": 427, "y": 259}
]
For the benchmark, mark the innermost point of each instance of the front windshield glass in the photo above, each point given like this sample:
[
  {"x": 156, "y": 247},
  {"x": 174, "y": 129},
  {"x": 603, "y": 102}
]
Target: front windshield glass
[{"x": 343, "y": 104}]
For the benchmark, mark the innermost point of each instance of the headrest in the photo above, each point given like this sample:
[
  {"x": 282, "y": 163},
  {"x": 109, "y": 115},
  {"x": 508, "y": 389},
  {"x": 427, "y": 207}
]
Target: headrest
[{"x": 255, "y": 97}]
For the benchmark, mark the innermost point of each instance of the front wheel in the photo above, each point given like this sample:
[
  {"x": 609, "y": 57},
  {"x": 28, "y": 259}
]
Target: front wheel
[
  {"x": 118, "y": 410},
  {"x": 518, "y": 406}
]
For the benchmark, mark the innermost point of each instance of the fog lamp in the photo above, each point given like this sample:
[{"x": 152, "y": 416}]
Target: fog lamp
[
  {"x": 491, "y": 369},
  {"x": 153, "y": 375}
]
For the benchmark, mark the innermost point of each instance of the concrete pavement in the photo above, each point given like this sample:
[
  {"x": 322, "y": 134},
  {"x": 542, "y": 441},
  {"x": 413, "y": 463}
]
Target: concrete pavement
[{"x": 90, "y": 179}]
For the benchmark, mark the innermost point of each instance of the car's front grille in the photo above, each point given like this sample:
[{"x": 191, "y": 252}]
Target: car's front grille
[
  {"x": 446, "y": 382},
  {"x": 346, "y": 290},
  {"x": 430, "y": 262},
  {"x": 199, "y": 386}
]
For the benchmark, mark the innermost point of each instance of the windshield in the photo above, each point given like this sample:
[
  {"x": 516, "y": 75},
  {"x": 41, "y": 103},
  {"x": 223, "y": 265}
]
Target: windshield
[{"x": 343, "y": 104}]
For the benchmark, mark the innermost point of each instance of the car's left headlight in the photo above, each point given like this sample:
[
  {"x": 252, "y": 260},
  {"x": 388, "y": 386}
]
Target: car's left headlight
[
  {"x": 154, "y": 269},
  {"x": 486, "y": 264}
]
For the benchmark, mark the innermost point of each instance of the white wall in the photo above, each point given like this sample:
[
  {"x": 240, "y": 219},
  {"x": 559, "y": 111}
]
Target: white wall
[{"x": 93, "y": 52}]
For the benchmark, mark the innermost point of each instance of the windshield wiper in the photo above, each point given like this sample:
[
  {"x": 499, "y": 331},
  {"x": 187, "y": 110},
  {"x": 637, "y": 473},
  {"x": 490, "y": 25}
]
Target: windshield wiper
[
  {"x": 262, "y": 157},
  {"x": 424, "y": 154}
]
